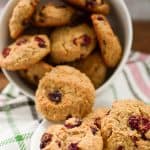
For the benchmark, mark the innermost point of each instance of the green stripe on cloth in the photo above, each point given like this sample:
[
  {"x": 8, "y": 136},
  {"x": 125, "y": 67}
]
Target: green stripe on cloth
[
  {"x": 114, "y": 91},
  {"x": 13, "y": 139},
  {"x": 18, "y": 137}
]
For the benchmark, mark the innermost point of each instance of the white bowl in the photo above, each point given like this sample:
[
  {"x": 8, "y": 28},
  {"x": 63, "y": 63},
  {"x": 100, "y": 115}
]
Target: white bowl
[{"x": 121, "y": 22}]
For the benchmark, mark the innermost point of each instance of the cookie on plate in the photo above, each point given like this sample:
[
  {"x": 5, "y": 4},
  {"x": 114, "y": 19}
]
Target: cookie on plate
[
  {"x": 94, "y": 6},
  {"x": 109, "y": 43},
  {"x": 63, "y": 92},
  {"x": 24, "y": 52},
  {"x": 21, "y": 16},
  {"x": 127, "y": 126},
  {"x": 34, "y": 73},
  {"x": 51, "y": 15},
  {"x": 94, "y": 67},
  {"x": 73, "y": 135},
  {"x": 72, "y": 43}
]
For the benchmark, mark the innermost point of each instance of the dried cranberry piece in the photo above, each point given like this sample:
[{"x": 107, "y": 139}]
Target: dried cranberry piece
[
  {"x": 73, "y": 146},
  {"x": 59, "y": 143},
  {"x": 120, "y": 148},
  {"x": 55, "y": 96},
  {"x": 134, "y": 122},
  {"x": 100, "y": 18},
  {"x": 77, "y": 123},
  {"x": 46, "y": 139},
  {"x": 134, "y": 139},
  {"x": 83, "y": 40},
  {"x": 40, "y": 41},
  {"x": 94, "y": 130},
  {"x": 6, "y": 52},
  {"x": 139, "y": 123},
  {"x": 21, "y": 41},
  {"x": 69, "y": 116},
  {"x": 97, "y": 123}
]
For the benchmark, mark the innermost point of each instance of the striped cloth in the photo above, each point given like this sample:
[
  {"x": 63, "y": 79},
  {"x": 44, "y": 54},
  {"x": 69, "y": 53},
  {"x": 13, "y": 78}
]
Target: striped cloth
[{"x": 19, "y": 118}]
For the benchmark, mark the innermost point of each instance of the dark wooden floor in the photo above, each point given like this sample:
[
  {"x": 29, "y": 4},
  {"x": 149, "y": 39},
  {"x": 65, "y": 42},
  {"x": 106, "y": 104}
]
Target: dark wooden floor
[{"x": 141, "y": 43}]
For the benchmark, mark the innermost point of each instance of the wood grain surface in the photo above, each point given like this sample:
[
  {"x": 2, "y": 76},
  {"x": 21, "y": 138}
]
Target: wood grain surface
[{"x": 141, "y": 43}]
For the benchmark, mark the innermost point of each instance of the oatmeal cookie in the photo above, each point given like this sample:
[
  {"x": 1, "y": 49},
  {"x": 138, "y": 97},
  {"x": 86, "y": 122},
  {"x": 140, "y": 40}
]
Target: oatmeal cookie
[
  {"x": 63, "y": 92},
  {"x": 109, "y": 43},
  {"x": 127, "y": 126},
  {"x": 21, "y": 16},
  {"x": 24, "y": 52},
  {"x": 72, "y": 43}
]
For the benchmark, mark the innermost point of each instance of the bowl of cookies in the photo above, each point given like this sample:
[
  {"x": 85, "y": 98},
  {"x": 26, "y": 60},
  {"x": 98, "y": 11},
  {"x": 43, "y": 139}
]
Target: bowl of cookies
[{"x": 64, "y": 48}]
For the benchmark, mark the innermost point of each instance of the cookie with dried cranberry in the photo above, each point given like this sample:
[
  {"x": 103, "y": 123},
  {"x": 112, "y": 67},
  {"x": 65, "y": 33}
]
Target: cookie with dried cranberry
[
  {"x": 63, "y": 92},
  {"x": 21, "y": 16},
  {"x": 94, "y": 6},
  {"x": 72, "y": 43},
  {"x": 73, "y": 135},
  {"x": 25, "y": 52},
  {"x": 34, "y": 73},
  {"x": 109, "y": 43},
  {"x": 54, "y": 138},
  {"x": 94, "y": 67},
  {"x": 127, "y": 126},
  {"x": 51, "y": 15},
  {"x": 81, "y": 136}
]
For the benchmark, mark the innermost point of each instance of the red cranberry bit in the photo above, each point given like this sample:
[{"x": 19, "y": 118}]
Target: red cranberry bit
[
  {"x": 97, "y": 122},
  {"x": 45, "y": 140},
  {"x": 134, "y": 122},
  {"x": 6, "y": 52},
  {"x": 59, "y": 143},
  {"x": 69, "y": 116},
  {"x": 21, "y": 41},
  {"x": 139, "y": 123},
  {"x": 77, "y": 123},
  {"x": 73, "y": 146},
  {"x": 94, "y": 130},
  {"x": 134, "y": 139},
  {"x": 100, "y": 18},
  {"x": 120, "y": 148},
  {"x": 83, "y": 40},
  {"x": 40, "y": 41},
  {"x": 55, "y": 96}
]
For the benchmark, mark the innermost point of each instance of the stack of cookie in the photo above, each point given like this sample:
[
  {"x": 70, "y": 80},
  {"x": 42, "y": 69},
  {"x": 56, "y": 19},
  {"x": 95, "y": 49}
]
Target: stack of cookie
[
  {"x": 70, "y": 32},
  {"x": 126, "y": 126}
]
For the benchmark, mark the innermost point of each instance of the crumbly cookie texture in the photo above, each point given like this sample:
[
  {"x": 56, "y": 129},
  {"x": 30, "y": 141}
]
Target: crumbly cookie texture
[
  {"x": 127, "y": 126},
  {"x": 34, "y": 73},
  {"x": 63, "y": 92},
  {"x": 72, "y": 43},
  {"x": 109, "y": 43},
  {"x": 94, "y": 6},
  {"x": 21, "y": 16},
  {"x": 94, "y": 67},
  {"x": 24, "y": 52},
  {"x": 73, "y": 135},
  {"x": 51, "y": 15}
]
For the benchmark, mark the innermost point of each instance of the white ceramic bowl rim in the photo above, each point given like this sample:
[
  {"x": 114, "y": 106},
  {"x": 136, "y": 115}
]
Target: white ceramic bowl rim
[{"x": 116, "y": 72}]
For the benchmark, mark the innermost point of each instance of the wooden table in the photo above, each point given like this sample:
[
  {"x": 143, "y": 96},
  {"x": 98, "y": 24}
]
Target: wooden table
[{"x": 141, "y": 43}]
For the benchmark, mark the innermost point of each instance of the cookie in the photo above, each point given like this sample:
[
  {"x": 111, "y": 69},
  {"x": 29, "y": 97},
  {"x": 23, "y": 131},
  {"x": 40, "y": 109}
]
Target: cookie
[
  {"x": 127, "y": 126},
  {"x": 73, "y": 135},
  {"x": 34, "y": 73},
  {"x": 95, "y": 117},
  {"x": 94, "y": 6},
  {"x": 63, "y": 92},
  {"x": 72, "y": 43},
  {"x": 94, "y": 67},
  {"x": 21, "y": 16},
  {"x": 52, "y": 15},
  {"x": 24, "y": 52},
  {"x": 111, "y": 49}
]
